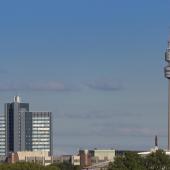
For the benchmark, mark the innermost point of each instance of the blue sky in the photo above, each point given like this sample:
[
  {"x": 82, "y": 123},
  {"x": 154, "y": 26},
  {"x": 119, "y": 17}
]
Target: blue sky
[{"x": 96, "y": 64}]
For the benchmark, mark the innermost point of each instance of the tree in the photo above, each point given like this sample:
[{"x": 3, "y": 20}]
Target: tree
[
  {"x": 157, "y": 160},
  {"x": 66, "y": 166},
  {"x": 132, "y": 161},
  {"x": 129, "y": 161},
  {"x": 26, "y": 166},
  {"x": 34, "y": 166}
]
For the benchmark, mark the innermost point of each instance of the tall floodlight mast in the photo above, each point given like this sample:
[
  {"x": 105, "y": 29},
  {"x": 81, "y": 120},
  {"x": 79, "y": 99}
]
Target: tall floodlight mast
[{"x": 167, "y": 75}]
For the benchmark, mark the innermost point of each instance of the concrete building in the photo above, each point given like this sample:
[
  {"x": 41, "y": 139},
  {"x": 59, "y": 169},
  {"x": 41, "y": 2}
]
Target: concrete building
[
  {"x": 72, "y": 159},
  {"x": 85, "y": 158},
  {"x": 103, "y": 155},
  {"x": 75, "y": 160},
  {"x": 96, "y": 156},
  {"x": 25, "y": 130},
  {"x": 62, "y": 159},
  {"x": 40, "y": 157}
]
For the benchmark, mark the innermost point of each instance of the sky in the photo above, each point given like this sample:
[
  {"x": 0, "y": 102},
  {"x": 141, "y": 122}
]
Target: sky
[{"x": 97, "y": 65}]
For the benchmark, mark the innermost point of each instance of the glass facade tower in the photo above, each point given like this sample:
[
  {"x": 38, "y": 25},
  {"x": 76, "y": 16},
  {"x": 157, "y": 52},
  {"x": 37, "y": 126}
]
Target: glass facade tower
[{"x": 41, "y": 130}]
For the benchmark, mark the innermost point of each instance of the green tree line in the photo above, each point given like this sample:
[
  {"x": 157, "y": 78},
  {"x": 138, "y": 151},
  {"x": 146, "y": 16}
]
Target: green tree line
[
  {"x": 132, "y": 161},
  {"x": 33, "y": 166}
]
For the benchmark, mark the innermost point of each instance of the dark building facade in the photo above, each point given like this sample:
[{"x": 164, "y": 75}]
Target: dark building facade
[{"x": 15, "y": 125}]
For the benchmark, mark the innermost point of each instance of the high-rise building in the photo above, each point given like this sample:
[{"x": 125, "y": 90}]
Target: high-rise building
[
  {"x": 38, "y": 131},
  {"x": 25, "y": 130},
  {"x": 15, "y": 125}
]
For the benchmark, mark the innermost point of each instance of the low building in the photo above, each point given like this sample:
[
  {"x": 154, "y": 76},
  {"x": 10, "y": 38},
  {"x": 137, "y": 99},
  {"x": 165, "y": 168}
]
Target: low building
[
  {"x": 75, "y": 160},
  {"x": 72, "y": 159},
  {"x": 85, "y": 158},
  {"x": 103, "y": 155},
  {"x": 62, "y": 159},
  {"x": 96, "y": 156},
  {"x": 40, "y": 157}
]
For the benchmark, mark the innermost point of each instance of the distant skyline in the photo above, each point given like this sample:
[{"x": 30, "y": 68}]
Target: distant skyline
[{"x": 96, "y": 64}]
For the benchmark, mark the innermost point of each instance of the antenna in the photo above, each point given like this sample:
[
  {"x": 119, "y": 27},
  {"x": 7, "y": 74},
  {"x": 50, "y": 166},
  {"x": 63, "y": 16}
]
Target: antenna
[{"x": 167, "y": 75}]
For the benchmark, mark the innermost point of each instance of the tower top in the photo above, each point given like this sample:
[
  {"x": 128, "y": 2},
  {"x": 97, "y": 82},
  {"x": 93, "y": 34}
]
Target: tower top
[{"x": 17, "y": 99}]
